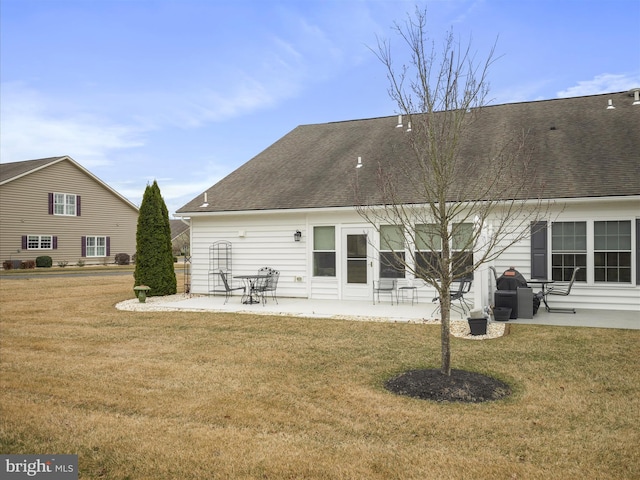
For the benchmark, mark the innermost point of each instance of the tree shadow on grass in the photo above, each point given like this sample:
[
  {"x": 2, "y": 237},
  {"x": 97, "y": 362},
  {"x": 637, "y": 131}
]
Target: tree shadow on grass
[{"x": 461, "y": 386}]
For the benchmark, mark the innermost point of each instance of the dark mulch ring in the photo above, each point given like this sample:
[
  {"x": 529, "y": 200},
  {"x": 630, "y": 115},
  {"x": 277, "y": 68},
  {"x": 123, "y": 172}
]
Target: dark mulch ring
[{"x": 461, "y": 386}]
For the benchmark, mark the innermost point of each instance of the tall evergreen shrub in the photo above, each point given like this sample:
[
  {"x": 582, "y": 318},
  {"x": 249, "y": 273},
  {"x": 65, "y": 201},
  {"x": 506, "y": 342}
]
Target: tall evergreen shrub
[{"x": 154, "y": 258}]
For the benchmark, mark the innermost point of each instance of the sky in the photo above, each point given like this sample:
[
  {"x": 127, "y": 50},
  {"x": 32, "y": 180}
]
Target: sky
[{"x": 186, "y": 91}]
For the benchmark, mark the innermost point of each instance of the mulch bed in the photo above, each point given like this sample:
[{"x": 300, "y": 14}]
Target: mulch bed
[{"x": 461, "y": 386}]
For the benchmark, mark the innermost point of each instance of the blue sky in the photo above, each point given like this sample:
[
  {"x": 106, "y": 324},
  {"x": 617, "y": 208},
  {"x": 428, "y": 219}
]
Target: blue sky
[{"x": 186, "y": 91}]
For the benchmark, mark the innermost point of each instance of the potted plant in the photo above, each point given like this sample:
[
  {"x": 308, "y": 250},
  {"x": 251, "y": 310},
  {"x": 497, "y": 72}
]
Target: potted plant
[{"x": 478, "y": 322}]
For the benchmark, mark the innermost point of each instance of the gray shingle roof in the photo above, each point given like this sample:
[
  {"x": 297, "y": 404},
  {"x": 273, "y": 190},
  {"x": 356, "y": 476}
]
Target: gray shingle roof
[
  {"x": 10, "y": 171},
  {"x": 582, "y": 148}
]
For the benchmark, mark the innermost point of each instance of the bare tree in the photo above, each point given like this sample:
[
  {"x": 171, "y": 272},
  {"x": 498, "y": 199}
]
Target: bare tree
[{"x": 459, "y": 200}]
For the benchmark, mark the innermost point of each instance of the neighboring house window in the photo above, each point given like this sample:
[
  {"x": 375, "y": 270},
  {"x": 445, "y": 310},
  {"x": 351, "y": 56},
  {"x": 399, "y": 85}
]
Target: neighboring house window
[
  {"x": 568, "y": 250},
  {"x": 39, "y": 242},
  {"x": 95, "y": 246},
  {"x": 392, "y": 255},
  {"x": 612, "y": 251},
  {"x": 66, "y": 204},
  {"x": 324, "y": 252},
  {"x": 429, "y": 249}
]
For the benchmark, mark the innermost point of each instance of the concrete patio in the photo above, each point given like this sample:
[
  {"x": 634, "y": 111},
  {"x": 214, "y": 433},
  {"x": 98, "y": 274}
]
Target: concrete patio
[{"x": 403, "y": 312}]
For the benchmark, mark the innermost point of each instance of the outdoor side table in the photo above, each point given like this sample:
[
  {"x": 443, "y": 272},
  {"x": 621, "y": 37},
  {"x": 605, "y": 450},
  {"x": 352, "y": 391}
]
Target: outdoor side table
[{"x": 414, "y": 293}]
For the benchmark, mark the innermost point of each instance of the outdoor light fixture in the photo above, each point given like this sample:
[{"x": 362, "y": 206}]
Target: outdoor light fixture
[{"x": 297, "y": 236}]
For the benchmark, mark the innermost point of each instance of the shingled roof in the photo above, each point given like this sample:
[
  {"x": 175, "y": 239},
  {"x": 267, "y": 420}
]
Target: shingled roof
[{"x": 583, "y": 149}]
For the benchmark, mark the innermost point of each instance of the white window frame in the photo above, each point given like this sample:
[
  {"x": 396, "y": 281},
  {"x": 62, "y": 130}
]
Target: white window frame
[
  {"x": 39, "y": 242},
  {"x": 93, "y": 248},
  {"x": 65, "y": 204}
]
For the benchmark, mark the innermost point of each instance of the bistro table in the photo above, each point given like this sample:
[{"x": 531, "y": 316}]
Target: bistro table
[
  {"x": 250, "y": 283},
  {"x": 543, "y": 284}
]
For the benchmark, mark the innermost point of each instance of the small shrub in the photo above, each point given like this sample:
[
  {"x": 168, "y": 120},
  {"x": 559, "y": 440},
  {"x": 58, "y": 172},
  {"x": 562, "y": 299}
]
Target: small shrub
[
  {"x": 7, "y": 265},
  {"x": 44, "y": 261},
  {"x": 122, "y": 259},
  {"x": 28, "y": 264},
  {"x": 80, "y": 263},
  {"x": 63, "y": 263}
]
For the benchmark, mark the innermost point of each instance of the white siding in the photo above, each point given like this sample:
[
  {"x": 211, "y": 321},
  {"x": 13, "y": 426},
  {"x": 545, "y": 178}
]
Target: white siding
[{"x": 266, "y": 239}]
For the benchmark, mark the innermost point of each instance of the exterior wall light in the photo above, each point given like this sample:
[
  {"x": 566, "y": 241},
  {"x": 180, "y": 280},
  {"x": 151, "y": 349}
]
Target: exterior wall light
[{"x": 297, "y": 236}]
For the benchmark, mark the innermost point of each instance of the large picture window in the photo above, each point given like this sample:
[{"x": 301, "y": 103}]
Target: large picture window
[
  {"x": 429, "y": 250},
  {"x": 568, "y": 250},
  {"x": 324, "y": 251},
  {"x": 612, "y": 251},
  {"x": 392, "y": 255}
]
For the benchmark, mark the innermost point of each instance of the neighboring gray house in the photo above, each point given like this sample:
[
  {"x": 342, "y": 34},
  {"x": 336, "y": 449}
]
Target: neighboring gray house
[
  {"x": 55, "y": 207},
  {"x": 589, "y": 155}
]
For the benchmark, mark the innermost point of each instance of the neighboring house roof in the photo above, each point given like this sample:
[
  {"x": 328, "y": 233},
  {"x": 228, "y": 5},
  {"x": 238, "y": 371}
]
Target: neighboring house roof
[
  {"x": 178, "y": 227},
  {"x": 14, "y": 170},
  {"x": 583, "y": 149}
]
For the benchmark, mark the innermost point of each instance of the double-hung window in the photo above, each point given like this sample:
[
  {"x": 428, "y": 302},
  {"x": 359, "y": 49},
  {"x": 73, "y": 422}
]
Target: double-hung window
[
  {"x": 96, "y": 246},
  {"x": 392, "y": 255},
  {"x": 612, "y": 251},
  {"x": 64, "y": 204},
  {"x": 568, "y": 250},
  {"x": 429, "y": 250},
  {"x": 324, "y": 251}
]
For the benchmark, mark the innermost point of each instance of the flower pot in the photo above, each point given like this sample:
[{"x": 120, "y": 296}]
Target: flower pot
[
  {"x": 478, "y": 326},
  {"x": 501, "y": 314}
]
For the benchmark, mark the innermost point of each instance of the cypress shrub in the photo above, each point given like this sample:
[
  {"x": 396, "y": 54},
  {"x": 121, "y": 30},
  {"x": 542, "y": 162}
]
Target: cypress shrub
[{"x": 154, "y": 258}]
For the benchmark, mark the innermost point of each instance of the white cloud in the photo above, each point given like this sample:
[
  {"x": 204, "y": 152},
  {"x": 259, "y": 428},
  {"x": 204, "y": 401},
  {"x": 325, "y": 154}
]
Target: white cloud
[
  {"x": 604, "y": 83},
  {"x": 34, "y": 127}
]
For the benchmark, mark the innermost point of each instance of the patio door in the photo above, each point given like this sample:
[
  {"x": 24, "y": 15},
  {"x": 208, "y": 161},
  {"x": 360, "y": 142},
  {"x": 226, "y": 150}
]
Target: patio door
[{"x": 357, "y": 265}]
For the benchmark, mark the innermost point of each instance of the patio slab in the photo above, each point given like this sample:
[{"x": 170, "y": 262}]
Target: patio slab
[{"x": 403, "y": 312}]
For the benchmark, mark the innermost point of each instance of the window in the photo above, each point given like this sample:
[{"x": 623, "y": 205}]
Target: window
[
  {"x": 429, "y": 249},
  {"x": 39, "y": 242},
  {"x": 64, "y": 204},
  {"x": 392, "y": 252},
  {"x": 612, "y": 251},
  {"x": 324, "y": 251},
  {"x": 568, "y": 250},
  {"x": 96, "y": 247}
]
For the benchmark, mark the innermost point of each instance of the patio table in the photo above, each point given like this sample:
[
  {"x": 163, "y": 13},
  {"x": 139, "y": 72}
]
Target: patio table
[
  {"x": 250, "y": 282},
  {"x": 543, "y": 284}
]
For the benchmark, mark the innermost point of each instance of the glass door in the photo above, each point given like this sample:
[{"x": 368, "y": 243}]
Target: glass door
[{"x": 357, "y": 267}]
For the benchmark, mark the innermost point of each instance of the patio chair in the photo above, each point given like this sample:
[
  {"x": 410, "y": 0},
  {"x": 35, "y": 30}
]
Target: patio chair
[
  {"x": 560, "y": 290},
  {"x": 271, "y": 285},
  {"x": 464, "y": 287},
  {"x": 260, "y": 285},
  {"x": 384, "y": 286},
  {"x": 228, "y": 290}
]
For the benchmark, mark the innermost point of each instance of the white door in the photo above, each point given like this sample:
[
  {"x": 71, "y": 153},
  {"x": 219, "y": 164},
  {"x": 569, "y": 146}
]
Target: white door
[{"x": 357, "y": 264}]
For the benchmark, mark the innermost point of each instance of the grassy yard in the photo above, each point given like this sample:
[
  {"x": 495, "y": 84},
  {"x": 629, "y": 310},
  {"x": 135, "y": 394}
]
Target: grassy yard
[{"x": 204, "y": 395}]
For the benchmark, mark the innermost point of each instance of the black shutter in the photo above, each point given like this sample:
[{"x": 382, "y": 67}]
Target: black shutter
[
  {"x": 51, "y": 204},
  {"x": 78, "y": 205},
  {"x": 539, "y": 250},
  {"x": 24, "y": 242},
  {"x": 55, "y": 242},
  {"x": 84, "y": 247},
  {"x": 108, "y": 246}
]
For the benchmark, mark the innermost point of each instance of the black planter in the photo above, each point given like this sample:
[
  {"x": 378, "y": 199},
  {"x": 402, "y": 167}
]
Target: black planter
[
  {"x": 501, "y": 314},
  {"x": 478, "y": 326}
]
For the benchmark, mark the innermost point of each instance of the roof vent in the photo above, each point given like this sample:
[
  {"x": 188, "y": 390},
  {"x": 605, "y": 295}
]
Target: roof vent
[
  {"x": 610, "y": 105},
  {"x": 399, "y": 125},
  {"x": 205, "y": 204},
  {"x": 359, "y": 164},
  {"x": 409, "y": 127},
  {"x": 636, "y": 97}
]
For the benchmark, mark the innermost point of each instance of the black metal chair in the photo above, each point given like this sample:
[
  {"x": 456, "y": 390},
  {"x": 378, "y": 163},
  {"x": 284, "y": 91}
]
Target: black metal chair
[
  {"x": 560, "y": 290},
  {"x": 260, "y": 286},
  {"x": 228, "y": 290},
  {"x": 271, "y": 285},
  {"x": 464, "y": 287},
  {"x": 385, "y": 286}
]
